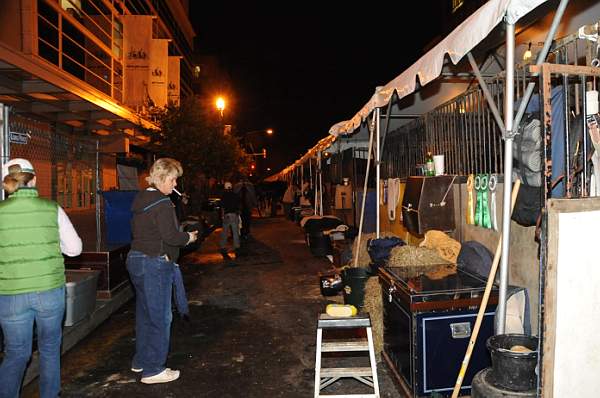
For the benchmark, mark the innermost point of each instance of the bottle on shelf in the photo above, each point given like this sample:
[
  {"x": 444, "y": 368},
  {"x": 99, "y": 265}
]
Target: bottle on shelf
[{"x": 429, "y": 167}]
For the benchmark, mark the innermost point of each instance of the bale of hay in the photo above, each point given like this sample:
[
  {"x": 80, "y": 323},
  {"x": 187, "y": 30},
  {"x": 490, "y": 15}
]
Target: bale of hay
[
  {"x": 446, "y": 247},
  {"x": 412, "y": 256},
  {"x": 374, "y": 306},
  {"x": 363, "y": 256},
  {"x": 412, "y": 261}
]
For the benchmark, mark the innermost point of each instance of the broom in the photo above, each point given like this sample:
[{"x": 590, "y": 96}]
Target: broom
[{"x": 484, "y": 301}]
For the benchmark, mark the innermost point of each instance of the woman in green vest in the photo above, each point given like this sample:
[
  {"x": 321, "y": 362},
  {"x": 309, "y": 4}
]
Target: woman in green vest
[{"x": 34, "y": 232}]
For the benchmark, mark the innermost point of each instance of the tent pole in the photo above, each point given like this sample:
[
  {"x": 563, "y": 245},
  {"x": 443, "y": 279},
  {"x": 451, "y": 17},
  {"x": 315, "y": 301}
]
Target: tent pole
[
  {"x": 320, "y": 163},
  {"x": 486, "y": 92},
  {"x": 377, "y": 171},
  {"x": 508, "y": 165},
  {"x": 541, "y": 57},
  {"x": 509, "y": 135},
  {"x": 387, "y": 125},
  {"x": 362, "y": 207},
  {"x": 310, "y": 173}
]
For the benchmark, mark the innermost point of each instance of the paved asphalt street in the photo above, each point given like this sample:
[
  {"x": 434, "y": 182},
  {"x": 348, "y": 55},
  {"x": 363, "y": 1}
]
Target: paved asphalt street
[{"x": 252, "y": 330}]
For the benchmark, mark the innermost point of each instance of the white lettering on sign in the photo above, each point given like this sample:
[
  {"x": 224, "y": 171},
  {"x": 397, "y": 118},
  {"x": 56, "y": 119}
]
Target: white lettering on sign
[{"x": 18, "y": 138}]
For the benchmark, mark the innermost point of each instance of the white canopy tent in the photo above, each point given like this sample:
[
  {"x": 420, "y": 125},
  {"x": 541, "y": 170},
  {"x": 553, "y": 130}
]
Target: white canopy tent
[
  {"x": 429, "y": 67},
  {"x": 457, "y": 44}
]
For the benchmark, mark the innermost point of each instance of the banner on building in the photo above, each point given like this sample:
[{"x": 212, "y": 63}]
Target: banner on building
[
  {"x": 159, "y": 66},
  {"x": 174, "y": 79},
  {"x": 137, "y": 47}
]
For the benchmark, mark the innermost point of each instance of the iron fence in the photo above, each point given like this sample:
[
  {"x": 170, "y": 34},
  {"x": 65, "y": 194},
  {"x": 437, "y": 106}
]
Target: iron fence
[
  {"x": 68, "y": 167},
  {"x": 465, "y": 132}
]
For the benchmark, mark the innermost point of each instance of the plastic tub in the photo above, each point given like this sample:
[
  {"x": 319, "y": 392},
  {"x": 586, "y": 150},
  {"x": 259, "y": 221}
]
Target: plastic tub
[
  {"x": 117, "y": 215},
  {"x": 513, "y": 370},
  {"x": 80, "y": 294}
]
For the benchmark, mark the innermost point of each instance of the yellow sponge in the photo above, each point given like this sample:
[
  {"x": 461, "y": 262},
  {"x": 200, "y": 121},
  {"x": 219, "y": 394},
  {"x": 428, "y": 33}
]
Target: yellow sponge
[{"x": 341, "y": 310}]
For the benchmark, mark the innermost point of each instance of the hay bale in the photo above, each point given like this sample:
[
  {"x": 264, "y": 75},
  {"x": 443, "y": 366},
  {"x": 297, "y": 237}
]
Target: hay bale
[
  {"x": 374, "y": 306},
  {"x": 412, "y": 261},
  {"x": 363, "y": 256},
  {"x": 414, "y": 257}
]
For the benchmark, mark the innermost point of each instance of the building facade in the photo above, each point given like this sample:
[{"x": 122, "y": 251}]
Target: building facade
[{"x": 80, "y": 83}]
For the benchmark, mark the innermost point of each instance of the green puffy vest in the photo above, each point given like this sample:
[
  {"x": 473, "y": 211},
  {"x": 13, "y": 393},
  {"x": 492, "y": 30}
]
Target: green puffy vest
[{"x": 30, "y": 256}]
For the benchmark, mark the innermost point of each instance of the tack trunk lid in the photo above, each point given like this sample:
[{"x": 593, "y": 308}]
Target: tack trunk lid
[{"x": 428, "y": 203}]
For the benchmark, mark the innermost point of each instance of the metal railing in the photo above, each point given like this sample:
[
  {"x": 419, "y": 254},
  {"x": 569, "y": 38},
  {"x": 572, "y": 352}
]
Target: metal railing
[
  {"x": 464, "y": 130},
  {"x": 84, "y": 41}
]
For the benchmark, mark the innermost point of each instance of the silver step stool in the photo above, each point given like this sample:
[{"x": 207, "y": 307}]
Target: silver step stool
[{"x": 327, "y": 376}]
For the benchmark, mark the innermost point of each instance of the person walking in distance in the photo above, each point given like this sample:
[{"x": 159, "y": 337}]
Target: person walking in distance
[
  {"x": 35, "y": 233},
  {"x": 245, "y": 190},
  {"x": 151, "y": 266},
  {"x": 230, "y": 205}
]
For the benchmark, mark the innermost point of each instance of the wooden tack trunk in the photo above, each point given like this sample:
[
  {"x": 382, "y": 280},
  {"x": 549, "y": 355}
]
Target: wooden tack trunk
[{"x": 427, "y": 326}]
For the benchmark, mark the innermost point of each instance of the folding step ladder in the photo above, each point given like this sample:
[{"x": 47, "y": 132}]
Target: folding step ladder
[{"x": 327, "y": 376}]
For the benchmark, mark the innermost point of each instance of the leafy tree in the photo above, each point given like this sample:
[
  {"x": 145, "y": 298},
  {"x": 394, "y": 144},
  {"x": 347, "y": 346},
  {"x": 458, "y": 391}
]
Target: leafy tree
[{"x": 194, "y": 135}]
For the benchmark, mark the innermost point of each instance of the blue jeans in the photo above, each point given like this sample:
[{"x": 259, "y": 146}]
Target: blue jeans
[
  {"x": 230, "y": 221},
  {"x": 152, "y": 278},
  {"x": 17, "y": 315}
]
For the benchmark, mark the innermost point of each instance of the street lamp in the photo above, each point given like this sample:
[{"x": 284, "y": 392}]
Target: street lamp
[
  {"x": 248, "y": 142},
  {"x": 257, "y": 165},
  {"x": 268, "y": 131},
  {"x": 220, "y": 103}
]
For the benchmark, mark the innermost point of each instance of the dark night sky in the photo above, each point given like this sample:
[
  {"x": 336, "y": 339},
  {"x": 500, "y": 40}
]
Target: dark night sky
[{"x": 300, "y": 72}]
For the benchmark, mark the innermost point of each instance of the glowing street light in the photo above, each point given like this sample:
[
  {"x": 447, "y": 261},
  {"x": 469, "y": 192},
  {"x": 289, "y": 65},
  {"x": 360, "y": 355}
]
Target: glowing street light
[
  {"x": 258, "y": 132},
  {"x": 220, "y": 103}
]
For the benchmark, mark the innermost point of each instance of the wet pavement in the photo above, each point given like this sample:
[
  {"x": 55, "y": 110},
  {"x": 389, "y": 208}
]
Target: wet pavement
[{"x": 251, "y": 332}]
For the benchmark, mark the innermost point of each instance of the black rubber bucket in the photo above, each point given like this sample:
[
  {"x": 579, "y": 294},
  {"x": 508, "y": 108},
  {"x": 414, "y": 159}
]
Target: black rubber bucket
[
  {"x": 513, "y": 370},
  {"x": 296, "y": 214},
  {"x": 330, "y": 284},
  {"x": 354, "y": 280},
  {"x": 483, "y": 387}
]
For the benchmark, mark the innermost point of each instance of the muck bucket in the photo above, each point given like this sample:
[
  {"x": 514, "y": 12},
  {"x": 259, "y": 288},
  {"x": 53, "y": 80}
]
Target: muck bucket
[
  {"x": 514, "y": 359},
  {"x": 330, "y": 283},
  {"x": 354, "y": 280}
]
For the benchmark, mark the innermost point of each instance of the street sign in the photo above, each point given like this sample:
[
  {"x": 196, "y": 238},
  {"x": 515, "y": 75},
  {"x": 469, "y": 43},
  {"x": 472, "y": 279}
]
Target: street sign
[{"x": 18, "y": 138}]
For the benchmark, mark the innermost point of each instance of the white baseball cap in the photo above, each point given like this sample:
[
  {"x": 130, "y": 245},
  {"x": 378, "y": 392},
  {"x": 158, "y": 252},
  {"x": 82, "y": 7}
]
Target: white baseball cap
[
  {"x": 26, "y": 166},
  {"x": 228, "y": 185}
]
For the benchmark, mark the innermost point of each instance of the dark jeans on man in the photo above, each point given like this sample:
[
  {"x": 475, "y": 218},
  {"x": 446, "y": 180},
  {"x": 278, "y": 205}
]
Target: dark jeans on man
[
  {"x": 152, "y": 278},
  {"x": 246, "y": 215},
  {"x": 17, "y": 315}
]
